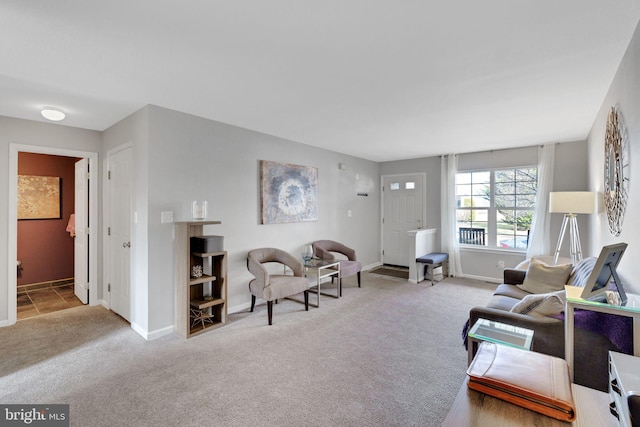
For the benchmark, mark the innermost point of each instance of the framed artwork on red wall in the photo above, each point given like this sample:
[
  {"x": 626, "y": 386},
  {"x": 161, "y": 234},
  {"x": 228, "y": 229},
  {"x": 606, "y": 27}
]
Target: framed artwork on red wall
[{"x": 38, "y": 197}]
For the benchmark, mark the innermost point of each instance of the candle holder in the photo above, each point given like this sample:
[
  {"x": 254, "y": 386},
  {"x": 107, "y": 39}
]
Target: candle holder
[{"x": 199, "y": 210}]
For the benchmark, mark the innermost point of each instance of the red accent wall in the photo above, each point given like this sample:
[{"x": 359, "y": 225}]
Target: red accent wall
[{"x": 44, "y": 246}]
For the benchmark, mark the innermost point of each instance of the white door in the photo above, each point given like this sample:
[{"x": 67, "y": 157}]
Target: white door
[
  {"x": 81, "y": 241},
  {"x": 119, "y": 232},
  {"x": 402, "y": 199}
]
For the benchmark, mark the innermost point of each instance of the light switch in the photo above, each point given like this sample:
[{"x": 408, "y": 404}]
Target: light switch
[{"x": 349, "y": 213}]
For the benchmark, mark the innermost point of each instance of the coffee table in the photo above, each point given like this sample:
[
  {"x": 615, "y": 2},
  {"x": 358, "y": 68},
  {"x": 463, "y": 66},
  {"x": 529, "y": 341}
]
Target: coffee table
[{"x": 474, "y": 409}]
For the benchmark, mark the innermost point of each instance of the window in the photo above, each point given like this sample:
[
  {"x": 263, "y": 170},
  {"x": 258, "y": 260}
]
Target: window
[{"x": 495, "y": 207}]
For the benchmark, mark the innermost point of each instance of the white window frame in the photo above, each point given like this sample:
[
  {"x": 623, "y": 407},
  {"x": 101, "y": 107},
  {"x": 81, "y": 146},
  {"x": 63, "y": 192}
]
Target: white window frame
[{"x": 491, "y": 237}]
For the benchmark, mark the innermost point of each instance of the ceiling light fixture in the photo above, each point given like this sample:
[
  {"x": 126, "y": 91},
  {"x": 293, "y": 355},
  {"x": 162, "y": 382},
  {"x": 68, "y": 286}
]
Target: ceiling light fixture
[{"x": 53, "y": 114}]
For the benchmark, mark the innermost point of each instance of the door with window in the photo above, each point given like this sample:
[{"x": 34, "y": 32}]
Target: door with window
[{"x": 402, "y": 201}]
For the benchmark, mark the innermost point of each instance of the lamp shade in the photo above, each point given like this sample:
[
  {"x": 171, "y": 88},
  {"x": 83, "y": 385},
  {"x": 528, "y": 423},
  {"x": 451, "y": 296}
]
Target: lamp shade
[{"x": 573, "y": 202}]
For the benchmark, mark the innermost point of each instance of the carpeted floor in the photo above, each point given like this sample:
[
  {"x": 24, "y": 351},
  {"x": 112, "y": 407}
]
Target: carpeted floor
[{"x": 387, "y": 354}]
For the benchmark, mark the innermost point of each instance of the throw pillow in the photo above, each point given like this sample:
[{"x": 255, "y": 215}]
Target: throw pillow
[
  {"x": 582, "y": 271},
  {"x": 542, "y": 278},
  {"x": 541, "y": 304}
]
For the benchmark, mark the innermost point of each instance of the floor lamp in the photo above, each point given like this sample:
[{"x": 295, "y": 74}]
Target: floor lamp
[{"x": 571, "y": 204}]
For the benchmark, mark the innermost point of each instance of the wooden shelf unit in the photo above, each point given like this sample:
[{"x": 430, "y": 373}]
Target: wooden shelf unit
[{"x": 190, "y": 292}]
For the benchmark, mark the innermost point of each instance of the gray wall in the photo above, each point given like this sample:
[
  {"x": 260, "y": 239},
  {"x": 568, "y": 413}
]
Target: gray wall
[
  {"x": 191, "y": 158},
  {"x": 570, "y": 174},
  {"x": 624, "y": 93},
  {"x": 27, "y": 132}
]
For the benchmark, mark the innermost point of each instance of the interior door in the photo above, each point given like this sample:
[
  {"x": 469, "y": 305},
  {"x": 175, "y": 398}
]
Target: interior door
[
  {"x": 119, "y": 232},
  {"x": 81, "y": 240},
  {"x": 402, "y": 199}
]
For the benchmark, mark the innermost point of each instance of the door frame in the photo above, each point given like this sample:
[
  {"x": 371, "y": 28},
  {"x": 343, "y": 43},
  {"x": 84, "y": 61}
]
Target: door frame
[
  {"x": 12, "y": 240},
  {"x": 424, "y": 203}
]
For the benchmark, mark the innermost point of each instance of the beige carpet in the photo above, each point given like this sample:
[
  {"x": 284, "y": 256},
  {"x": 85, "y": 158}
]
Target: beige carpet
[{"x": 387, "y": 354}]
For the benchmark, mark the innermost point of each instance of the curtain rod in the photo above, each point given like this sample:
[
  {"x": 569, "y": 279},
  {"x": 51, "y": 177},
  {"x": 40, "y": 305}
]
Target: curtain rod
[{"x": 498, "y": 149}]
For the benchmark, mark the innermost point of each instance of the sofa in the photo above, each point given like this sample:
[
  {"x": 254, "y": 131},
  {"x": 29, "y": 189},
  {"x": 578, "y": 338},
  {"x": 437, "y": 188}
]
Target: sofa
[{"x": 595, "y": 333}]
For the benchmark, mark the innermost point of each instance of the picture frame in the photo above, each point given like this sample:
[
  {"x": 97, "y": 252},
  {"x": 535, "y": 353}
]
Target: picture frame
[
  {"x": 39, "y": 197},
  {"x": 289, "y": 193}
]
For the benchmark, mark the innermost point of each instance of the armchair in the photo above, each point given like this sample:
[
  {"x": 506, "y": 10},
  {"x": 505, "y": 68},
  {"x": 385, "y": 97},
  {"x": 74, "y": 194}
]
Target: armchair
[
  {"x": 269, "y": 286},
  {"x": 325, "y": 249}
]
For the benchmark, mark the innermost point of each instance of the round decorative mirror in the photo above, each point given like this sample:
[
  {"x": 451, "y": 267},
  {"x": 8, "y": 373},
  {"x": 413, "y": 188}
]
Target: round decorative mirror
[{"x": 616, "y": 172}]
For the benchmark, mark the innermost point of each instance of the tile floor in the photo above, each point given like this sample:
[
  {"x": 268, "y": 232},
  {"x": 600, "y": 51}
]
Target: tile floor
[{"x": 45, "y": 298}]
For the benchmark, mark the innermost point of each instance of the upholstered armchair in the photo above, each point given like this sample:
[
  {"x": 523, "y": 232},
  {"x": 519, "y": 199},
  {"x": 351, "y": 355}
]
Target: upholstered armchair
[
  {"x": 271, "y": 287},
  {"x": 326, "y": 249}
]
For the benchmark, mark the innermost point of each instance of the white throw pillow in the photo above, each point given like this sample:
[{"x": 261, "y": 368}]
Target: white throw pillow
[
  {"x": 542, "y": 278},
  {"x": 541, "y": 304}
]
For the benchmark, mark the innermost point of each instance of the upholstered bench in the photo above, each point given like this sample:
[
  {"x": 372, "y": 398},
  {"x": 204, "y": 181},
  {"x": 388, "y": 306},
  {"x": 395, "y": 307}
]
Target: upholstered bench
[{"x": 432, "y": 261}]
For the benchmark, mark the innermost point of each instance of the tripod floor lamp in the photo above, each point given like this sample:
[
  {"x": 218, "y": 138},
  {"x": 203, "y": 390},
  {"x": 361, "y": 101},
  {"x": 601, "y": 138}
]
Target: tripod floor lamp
[{"x": 571, "y": 204}]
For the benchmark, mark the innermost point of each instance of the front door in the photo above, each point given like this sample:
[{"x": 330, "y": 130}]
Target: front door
[{"x": 402, "y": 199}]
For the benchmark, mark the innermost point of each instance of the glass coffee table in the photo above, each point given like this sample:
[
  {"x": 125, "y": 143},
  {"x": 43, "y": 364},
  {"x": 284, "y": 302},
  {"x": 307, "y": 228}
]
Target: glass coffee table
[{"x": 499, "y": 333}]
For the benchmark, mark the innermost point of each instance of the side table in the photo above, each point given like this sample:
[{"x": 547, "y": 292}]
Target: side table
[
  {"x": 499, "y": 333},
  {"x": 321, "y": 269},
  {"x": 630, "y": 309}
]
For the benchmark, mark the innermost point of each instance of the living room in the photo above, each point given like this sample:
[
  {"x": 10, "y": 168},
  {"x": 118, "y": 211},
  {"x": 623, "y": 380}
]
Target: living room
[{"x": 180, "y": 157}]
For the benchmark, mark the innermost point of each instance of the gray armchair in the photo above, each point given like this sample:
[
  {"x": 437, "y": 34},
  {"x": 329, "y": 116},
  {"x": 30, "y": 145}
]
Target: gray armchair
[
  {"x": 325, "y": 248},
  {"x": 270, "y": 287}
]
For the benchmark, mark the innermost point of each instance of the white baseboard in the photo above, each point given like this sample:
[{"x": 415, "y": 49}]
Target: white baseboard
[
  {"x": 483, "y": 278},
  {"x": 4, "y": 323},
  {"x": 153, "y": 335},
  {"x": 241, "y": 307},
  {"x": 371, "y": 266}
]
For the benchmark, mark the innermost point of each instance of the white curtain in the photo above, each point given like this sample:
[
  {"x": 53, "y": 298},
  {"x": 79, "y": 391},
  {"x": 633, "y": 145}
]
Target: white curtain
[
  {"x": 449, "y": 239},
  {"x": 540, "y": 226}
]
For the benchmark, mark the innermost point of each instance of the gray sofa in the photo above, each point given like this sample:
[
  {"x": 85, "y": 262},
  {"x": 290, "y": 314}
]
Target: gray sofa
[{"x": 591, "y": 343}]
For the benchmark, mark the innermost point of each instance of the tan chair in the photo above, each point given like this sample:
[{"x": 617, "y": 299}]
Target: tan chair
[
  {"x": 325, "y": 249},
  {"x": 271, "y": 287}
]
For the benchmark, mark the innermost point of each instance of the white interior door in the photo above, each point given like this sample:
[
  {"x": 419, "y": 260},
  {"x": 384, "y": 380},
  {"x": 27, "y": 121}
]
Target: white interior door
[
  {"x": 119, "y": 232},
  {"x": 81, "y": 241},
  {"x": 402, "y": 199}
]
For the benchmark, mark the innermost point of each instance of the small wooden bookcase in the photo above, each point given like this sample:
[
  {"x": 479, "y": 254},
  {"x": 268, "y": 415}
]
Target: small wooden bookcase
[{"x": 201, "y": 302}]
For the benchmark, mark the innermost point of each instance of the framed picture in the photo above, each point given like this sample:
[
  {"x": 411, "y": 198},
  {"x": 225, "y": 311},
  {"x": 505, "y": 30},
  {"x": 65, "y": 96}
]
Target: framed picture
[
  {"x": 289, "y": 193},
  {"x": 38, "y": 197}
]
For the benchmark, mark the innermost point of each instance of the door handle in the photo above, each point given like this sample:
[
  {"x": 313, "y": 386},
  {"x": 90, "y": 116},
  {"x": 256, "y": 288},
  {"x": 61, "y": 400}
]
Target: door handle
[{"x": 126, "y": 245}]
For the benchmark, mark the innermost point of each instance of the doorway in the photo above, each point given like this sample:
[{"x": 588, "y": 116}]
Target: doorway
[
  {"x": 403, "y": 198},
  {"x": 92, "y": 203},
  {"x": 46, "y": 234}
]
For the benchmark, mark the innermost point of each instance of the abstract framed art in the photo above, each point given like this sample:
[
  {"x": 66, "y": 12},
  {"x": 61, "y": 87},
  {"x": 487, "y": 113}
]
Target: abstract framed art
[
  {"x": 289, "y": 193},
  {"x": 38, "y": 197}
]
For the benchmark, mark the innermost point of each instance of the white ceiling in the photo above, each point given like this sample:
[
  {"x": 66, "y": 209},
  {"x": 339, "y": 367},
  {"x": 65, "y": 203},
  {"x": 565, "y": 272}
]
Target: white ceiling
[{"x": 378, "y": 79}]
